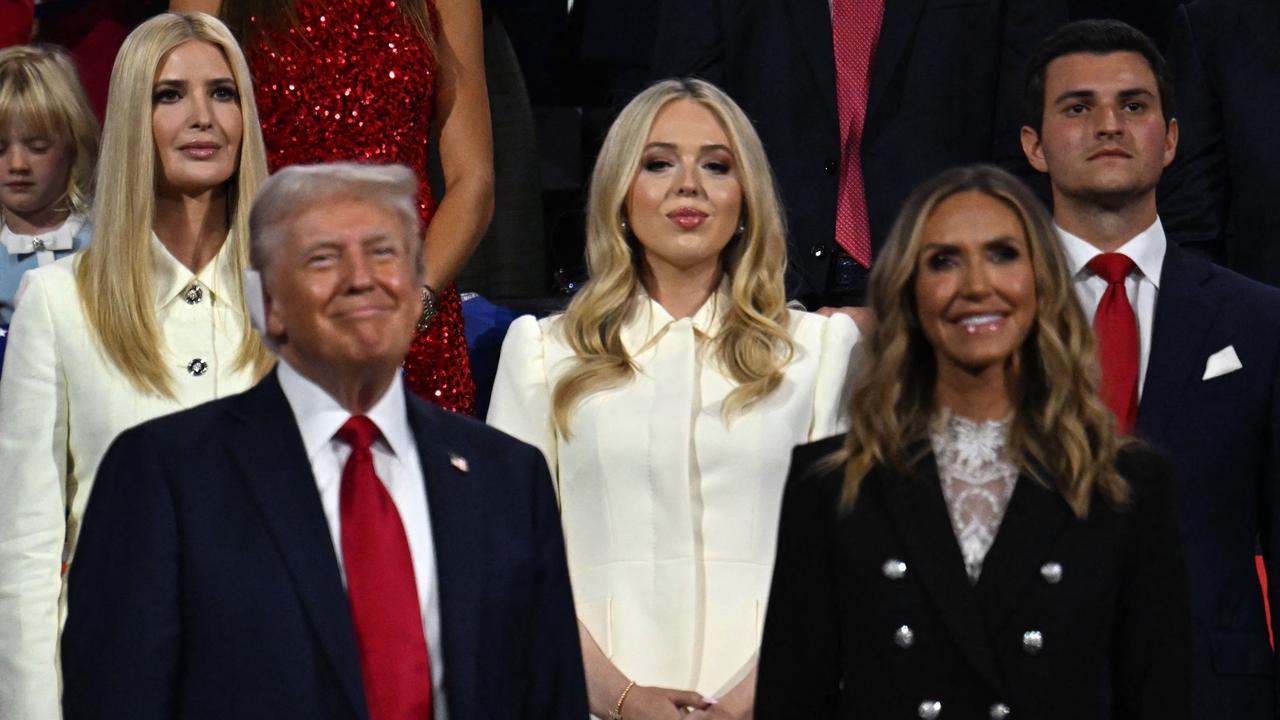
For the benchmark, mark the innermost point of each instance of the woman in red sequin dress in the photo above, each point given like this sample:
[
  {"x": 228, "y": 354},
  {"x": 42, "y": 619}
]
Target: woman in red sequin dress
[{"x": 364, "y": 79}]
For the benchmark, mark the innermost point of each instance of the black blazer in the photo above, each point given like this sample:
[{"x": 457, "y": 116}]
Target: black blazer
[
  {"x": 1224, "y": 437},
  {"x": 206, "y": 584},
  {"x": 1116, "y": 617},
  {"x": 946, "y": 89},
  {"x": 1219, "y": 195}
]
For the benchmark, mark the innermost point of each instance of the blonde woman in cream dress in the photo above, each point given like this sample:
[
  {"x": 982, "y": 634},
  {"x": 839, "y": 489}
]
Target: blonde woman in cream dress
[
  {"x": 148, "y": 320},
  {"x": 667, "y": 399}
]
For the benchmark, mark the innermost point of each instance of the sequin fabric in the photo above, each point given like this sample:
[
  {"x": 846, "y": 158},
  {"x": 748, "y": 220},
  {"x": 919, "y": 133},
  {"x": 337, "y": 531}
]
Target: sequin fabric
[
  {"x": 354, "y": 81},
  {"x": 977, "y": 482}
]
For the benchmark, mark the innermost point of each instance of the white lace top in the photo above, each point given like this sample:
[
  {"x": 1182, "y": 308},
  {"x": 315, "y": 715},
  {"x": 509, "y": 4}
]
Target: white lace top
[{"x": 977, "y": 481}]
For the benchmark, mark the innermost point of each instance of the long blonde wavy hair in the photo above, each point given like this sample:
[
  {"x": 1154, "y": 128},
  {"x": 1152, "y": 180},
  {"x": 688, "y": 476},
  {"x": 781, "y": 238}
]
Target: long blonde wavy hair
[
  {"x": 113, "y": 275},
  {"x": 40, "y": 89},
  {"x": 753, "y": 344},
  {"x": 1061, "y": 434}
]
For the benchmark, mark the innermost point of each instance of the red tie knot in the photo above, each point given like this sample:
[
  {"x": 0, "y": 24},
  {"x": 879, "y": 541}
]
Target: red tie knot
[
  {"x": 359, "y": 432},
  {"x": 1112, "y": 267}
]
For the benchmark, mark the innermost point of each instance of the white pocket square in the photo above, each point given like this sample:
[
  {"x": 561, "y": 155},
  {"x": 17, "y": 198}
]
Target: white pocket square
[{"x": 1222, "y": 362}]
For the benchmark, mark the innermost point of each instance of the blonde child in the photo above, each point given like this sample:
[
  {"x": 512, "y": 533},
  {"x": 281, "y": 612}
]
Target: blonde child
[{"x": 48, "y": 149}]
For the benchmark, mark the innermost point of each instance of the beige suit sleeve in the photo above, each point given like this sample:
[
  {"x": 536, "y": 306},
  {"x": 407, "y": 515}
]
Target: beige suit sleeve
[
  {"x": 837, "y": 363},
  {"x": 33, "y": 456},
  {"x": 521, "y": 402}
]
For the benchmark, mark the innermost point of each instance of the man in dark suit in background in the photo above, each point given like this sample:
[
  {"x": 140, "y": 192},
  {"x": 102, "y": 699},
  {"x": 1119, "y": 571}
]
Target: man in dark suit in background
[
  {"x": 1190, "y": 352},
  {"x": 893, "y": 91},
  {"x": 1219, "y": 197},
  {"x": 325, "y": 545}
]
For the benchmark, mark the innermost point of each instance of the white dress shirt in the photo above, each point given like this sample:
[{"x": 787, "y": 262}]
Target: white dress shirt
[
  {"x": 395, "y": 460},
  {"x": 62, "y": 402},
  {"x": 670, "y": 510},
  {"x": 1142, "y": 286}
]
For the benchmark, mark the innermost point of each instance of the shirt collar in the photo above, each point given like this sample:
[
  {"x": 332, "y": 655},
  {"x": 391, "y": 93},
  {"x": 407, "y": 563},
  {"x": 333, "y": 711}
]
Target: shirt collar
[
  {"x": 60, "y": 238},
  {"x": 320, "y": 417},
  {"x": 1146, "y": 250},
  {"x": 171, "y": 278},
  {"x": 650, "y": 321}
]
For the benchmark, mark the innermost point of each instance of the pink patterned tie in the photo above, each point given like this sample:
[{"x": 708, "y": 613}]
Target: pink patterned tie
[{"x": 855, "y": 29}]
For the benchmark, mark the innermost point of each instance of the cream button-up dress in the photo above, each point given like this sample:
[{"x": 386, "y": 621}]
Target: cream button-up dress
[
  {"x": 670, "y": 513},
  {"x": 62, "y": 402}
]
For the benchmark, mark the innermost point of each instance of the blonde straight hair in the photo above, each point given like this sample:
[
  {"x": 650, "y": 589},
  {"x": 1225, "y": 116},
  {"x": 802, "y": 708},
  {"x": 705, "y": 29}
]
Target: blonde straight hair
[
  {"x": 113, "y": 275},
  {"x": 40, "y": 89},
  {"x": 753, "y": 344},
  {"x": 1061, "y": 433}
]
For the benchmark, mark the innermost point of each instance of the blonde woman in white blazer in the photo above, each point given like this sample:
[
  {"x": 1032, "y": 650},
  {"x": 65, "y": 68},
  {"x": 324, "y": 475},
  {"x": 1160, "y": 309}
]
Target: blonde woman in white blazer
[
  {"x": 149, "y": 319},
  {"x": 667, "y": 399}
]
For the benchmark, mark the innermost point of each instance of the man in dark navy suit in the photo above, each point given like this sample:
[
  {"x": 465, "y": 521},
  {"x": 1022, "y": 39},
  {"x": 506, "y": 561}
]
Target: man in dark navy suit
[
  {"x": 325, "y": 545},
  {"x": 1190, "y": 352}
]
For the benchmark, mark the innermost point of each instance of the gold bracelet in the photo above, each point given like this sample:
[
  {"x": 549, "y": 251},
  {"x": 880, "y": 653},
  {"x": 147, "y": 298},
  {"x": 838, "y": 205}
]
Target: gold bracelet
[{"x": 617, "y": 709}]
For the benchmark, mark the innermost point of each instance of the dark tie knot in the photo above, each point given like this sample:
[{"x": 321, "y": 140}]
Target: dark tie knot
[
  {"x": 359, "y": 432},
  {"x": 1112, "y": 267}
]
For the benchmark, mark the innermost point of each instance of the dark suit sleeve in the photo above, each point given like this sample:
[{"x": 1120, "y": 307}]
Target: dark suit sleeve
[
  {"x": 691, "y": 41},
  {"x": 1151, "y": 662},
  {"x": 557, "y": 688},
  {"x": 799, "y": 671},
  {"x": 1193, "y": 191},
  {"x": 120, "y": 648},
  {"x": 1269, "y": 522},
  {"x": 1025, "y": 24}
]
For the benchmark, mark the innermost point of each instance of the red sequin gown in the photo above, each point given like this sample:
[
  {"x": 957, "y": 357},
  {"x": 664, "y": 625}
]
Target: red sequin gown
[{"x": 355, "y": 81}]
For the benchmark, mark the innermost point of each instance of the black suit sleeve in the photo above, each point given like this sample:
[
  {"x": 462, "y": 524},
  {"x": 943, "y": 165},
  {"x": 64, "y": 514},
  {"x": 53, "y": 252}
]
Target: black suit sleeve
[
  {"x": 1151, "y": 661},
  {"x": 691, "y": 41},
  {"x": 1193, "y": 191},
  {"x": 799, "y": 670},
  {"x": 556, "y": 687},
  {"x": 121, "y": 645},
  {"x": 1269, "y": 520}
]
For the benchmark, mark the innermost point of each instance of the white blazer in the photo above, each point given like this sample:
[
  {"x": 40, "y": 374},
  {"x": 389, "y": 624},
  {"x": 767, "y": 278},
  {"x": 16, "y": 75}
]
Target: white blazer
[
  {"x": 670, "y": 513},
  {"x": 62, "y": 402}
]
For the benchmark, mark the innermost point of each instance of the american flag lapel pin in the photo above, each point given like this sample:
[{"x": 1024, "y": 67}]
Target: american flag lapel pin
[{"x": 459, "y": 463}]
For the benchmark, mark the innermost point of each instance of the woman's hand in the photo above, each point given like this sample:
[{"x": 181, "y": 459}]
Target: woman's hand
[{"x": 655, "y": 703}]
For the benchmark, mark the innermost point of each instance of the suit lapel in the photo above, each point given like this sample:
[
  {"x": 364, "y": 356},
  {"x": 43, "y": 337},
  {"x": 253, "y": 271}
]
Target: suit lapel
[
  {"x": 1033, "y": 522},
  {"x": 1183, "y": 319},
  {"x": 812, "y": 19},
  {"x": 896, "y": 31},
  {"x": 456, "y": 504},
  {"x": 269, "y": 452},
  {"x": 924, "y": 525}
]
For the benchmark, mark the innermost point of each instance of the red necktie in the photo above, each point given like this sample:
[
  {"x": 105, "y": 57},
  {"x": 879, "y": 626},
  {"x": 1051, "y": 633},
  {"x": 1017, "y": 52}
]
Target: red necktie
[
  {"x": 380, "y": 584},
  {"x": 855, "y": 29},
  {"x": 1117, "y": 331}
]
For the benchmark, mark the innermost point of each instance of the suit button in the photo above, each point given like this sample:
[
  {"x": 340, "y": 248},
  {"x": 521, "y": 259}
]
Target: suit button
[
  {"x": 929, "y": 709},
  {"x": 817, "y": 250},
  {"x": 197, "y": 367},
  {"x": 894, "y": 569},
  {"x": 904, "y": 637},
  {"x": 829, "y": 166},
  {"x": 1051, "y": 572},
  {"x": 1032, "y": 641},
  {"x": 999, "y": 711}
]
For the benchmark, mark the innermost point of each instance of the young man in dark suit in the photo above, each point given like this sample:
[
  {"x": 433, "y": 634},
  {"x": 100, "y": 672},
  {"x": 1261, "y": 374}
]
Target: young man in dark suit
[
  {"x": 1190, "y": 352},
  {"x": 325, "y": 545}
]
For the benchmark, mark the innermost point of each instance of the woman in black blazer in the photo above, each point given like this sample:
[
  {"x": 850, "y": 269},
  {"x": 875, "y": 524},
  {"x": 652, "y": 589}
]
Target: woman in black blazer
[{"x": 980, "y": 544}]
